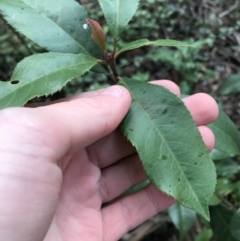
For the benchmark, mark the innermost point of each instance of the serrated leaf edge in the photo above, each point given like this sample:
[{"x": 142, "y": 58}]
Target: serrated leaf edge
[
  {"x": 65, "y": 83},
  {"x": 206, "y": 214},
  {"x": 6, "y": 18},
  {"x": 151, "y": 43}
]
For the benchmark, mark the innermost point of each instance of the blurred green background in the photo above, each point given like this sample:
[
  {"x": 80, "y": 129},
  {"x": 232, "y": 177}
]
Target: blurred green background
[{"x": 213, "y": 66}]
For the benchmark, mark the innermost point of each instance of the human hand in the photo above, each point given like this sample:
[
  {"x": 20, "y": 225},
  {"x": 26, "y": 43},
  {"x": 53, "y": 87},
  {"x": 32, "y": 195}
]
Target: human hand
[{"x": 60, "y": 163}]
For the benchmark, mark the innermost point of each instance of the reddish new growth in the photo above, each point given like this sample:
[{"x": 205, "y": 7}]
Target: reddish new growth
[{"x": 109, "y": 57}]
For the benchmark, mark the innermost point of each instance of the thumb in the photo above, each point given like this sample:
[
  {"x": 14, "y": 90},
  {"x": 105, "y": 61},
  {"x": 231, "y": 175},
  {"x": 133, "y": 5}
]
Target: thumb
[{"x": 84, "y": 120}]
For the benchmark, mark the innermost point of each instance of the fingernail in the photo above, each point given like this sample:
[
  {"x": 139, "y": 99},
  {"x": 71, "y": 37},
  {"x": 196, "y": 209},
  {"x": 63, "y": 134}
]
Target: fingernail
[{"x": 113, "y": 91}]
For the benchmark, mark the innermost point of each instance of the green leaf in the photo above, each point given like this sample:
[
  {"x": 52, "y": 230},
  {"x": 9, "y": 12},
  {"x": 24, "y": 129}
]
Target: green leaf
[
  {"x": 56, "y": 25},
  {"x": 204, "y": 235},
  {"x": 136, "y": 188},
  {"x": 224, "y": 187},
  {"x": 220, "y": 223},
  {"x": 183, "y": 218},
  {"x": 118, "y": 13},
  {"x": 145, "y": 42},
  {"x": 226, "y": 168},
  {"x": 235, "y": 225},
  {"x": 218, "y": 155},
  {"x": 236, "y": 48},
  {"x": 227, "y": 136},
  {"x": 169, "y": 144},
  {"x": 214, "y": 200},
  {"x": 42, "y": 74},
  {"x": 230, "y": 85}
]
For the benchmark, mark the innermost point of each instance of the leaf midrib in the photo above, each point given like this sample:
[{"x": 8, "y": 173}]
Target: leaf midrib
[
  {"x": 151, "y": 121},
  {"x": 30, "y": 83},
  {"x": 117, "y": 17},
  {"x": 49, "y": 19}
]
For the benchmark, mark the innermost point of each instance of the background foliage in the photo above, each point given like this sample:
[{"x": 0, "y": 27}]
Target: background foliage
[{"x": 213, "y": 26}]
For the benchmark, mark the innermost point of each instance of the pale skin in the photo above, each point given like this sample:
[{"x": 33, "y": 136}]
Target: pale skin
[{"x": 61, "y": 162}]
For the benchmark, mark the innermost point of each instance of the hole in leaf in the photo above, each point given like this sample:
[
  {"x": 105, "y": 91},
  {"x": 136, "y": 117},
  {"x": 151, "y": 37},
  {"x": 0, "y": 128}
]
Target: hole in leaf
[
  {"x": 164, "y": 111},
  {"x": 164, "y": 157},
  {"x": 14, "y": 82}
]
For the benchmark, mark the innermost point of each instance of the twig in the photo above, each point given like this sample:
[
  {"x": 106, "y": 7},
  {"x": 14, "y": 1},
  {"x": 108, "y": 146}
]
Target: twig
[
  {"x": 221, "y": 15},
  {"x": 2, "y": 52},
  {"x": 188, "y": 238},
  {"x": 195, "y": 15},
  {"x": 110, "y": 60},
  {"x": 114, "y": 70},
  {"x": 111, "y": 80},
  {"x": 198, "y": 225},
  {"x": 164, "y": 30},
  {"x": 115, "y": 46},
  {"x": 230, "y": 205}
]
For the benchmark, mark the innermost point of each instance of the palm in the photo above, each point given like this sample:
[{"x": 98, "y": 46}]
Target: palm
[
  {"x": 88, "y": 183},
  {"x": 78, "y": 213}
]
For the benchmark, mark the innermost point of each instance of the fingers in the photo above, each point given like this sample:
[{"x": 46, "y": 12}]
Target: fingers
[
  {"x": 82, "y": 121},
  {"x": 67, "y": 126},
  {"x": 130, "y": 211},
  {"x": 167, "y": 84},
  {"x": 129, "y": 172},
  {"x": 117, "y": 145},
  {"x": 202, "y": 107},
  {"x": 207, "y": 136},
  {"x": 88, "y": 94},
  {"x": 121, "y": 176}
]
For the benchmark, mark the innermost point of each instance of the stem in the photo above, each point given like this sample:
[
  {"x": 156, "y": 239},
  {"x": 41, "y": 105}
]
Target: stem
[
  {"x": 110, "y": 60},
  {"x": 198, "y": 226},
  {"x": 102, "y": 62},
  {"x": 115, "y": 46},
  {"x": 111, "y": 80},
  {"x": 113, "y": 64},
  {"x": 114, "y": 70},
  {"x": 230, "y": 205}
]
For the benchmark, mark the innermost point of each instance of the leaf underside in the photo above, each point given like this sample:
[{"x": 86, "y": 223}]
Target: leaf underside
[
  {"x": 145, "y": 42},
  {"x": 170, "y": 147},
  {"x": 118, "y": 13},
  {"x": 56, "y": 25},
  {"x": 42, "y": 74}
]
